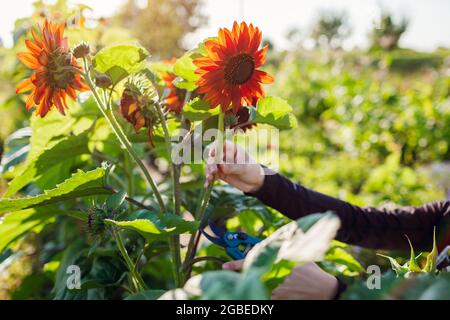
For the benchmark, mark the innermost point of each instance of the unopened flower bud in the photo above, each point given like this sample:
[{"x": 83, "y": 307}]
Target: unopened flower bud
[
  {"x": 82, "y": 50},
  {"x": 103, "y": 81}
]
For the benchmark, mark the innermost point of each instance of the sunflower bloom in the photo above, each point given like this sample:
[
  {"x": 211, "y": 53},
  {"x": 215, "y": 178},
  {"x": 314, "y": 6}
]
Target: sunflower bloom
[
  {"x": 229, "y": 72},
  {"x": 56, "y": 71}
]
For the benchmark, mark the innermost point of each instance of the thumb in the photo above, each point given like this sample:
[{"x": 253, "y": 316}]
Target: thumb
[{"x": 234, "y": 265}]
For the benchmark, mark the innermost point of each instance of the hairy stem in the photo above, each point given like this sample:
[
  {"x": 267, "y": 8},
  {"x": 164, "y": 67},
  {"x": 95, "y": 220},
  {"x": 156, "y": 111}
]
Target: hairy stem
[
  {"x": 137, "y": 279},
  {"x": 203, "y": 204},
  {"x": 175, "y": 239}
]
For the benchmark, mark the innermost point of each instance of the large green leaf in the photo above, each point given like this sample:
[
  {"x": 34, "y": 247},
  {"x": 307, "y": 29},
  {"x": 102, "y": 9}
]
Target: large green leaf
[
  {"x": 199, "y": 110},
  {"x": 67, "y": 148},
  {"x": 185, "y": 68},
  {"x": 16, "y": 148},
  {"x": 81, "y": 184},
  {"x": 16, "y": 225},
  {"x": 431, "y": 265},
  {"x": 276, "y": 112},
  {"x": 120, "y": 61},
  {"x": 340, "y": 256},
  {"x": 151, "y": 226},
  {"x": 46, "y": 131}
]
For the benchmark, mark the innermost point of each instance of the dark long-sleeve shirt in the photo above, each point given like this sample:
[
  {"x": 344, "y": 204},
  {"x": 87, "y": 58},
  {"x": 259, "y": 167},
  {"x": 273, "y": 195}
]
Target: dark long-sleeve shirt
[{"x": 366, "y": 227}]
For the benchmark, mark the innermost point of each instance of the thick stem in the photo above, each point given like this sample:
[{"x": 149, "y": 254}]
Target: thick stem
[
  {"x": 203, "y": 205},
  {"x": 175, "y": 239}
]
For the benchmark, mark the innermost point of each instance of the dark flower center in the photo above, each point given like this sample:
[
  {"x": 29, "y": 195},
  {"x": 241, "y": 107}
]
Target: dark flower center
[
  {"x": 239, "y": 69},
  {"x": 60, "y": 71}
]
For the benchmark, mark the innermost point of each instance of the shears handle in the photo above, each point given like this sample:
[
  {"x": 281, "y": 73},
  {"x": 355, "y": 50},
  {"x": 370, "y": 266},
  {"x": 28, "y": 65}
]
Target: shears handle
[{"x": 239, "y": 244}]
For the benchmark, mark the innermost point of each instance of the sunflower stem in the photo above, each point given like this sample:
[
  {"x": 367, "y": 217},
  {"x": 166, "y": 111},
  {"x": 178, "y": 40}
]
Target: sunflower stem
[
  {"x": 175, "y": 239},
  {"x": 136, "y": 277},
  {"x": 203, "y": 204}
]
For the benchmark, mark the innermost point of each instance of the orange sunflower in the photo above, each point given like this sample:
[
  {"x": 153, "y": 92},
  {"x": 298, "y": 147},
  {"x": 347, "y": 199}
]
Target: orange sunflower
[
  {"x": 173, "y": 100},
  {"x": 56, "y": 71},
  {"x": 229, "y": 72}
]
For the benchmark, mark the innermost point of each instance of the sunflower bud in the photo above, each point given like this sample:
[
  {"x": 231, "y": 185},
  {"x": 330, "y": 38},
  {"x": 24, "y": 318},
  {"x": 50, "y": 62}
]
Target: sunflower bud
[
  {"x": 82, "y": 50},
  {"x": 95, "y": 222},
  {"x": 103, "y": 81}
]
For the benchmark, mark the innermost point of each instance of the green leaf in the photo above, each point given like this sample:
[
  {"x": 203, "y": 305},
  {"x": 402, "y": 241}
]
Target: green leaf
[
  {"x": 67, "y": 148},
  {"x": 115, "y": 201},
  {"x": 413, "y": 266},
  {"x": 81, "y": 184},
  {"x": 146, "y": 295},
  {"x": 184, "y": 85},
  {"x": 340, "y": 256},
  {"x": 120, "y": 61},
  {"x": 151, "y": 226},
  {"x": 16, "y": 225},
  {"x": 431, "y": 265},
  {"x": 199, "y": 110},
  {"x": 399, "y": 269},
  {"x": 276, "y": 112},
  {"x": 16, "y": 149},
  {"x": 185, "y": 68}
]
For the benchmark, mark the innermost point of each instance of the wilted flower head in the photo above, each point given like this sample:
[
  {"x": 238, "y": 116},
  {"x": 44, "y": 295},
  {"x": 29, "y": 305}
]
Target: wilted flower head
[
  {"x": 137, "y": 104},
  {"x": 56, "y": 71}
]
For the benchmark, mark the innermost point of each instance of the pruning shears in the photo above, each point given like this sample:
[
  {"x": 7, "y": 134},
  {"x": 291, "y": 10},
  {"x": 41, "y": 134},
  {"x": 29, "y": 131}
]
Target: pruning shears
[{"x": 236, "y": 244}]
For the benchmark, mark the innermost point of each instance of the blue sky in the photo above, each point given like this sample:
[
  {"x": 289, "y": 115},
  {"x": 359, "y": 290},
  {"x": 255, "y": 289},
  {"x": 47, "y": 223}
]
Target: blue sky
[{"x": 429, "y": 19}]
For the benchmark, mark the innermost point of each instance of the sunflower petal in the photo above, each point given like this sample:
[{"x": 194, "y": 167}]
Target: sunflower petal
[
  {"x": 263, "y": 77},
  {"x": 25, "y": 86},
  {"x": 29, "y": 60}
]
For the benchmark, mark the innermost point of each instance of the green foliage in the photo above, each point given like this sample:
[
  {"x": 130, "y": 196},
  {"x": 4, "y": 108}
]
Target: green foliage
[
  {"x": 120, "y": 61},
  {"x": 199, "y": 110},
  {"x": 416, "y": 287},
  {"x": 267, "y": 264},
  {"x": 69, "y": 147},
  {"x": 152, "y": 226},
  {"x": 275, "y": 112},
  {"x": 81, "y": 184},
  {"x": 412, "y": 266}
]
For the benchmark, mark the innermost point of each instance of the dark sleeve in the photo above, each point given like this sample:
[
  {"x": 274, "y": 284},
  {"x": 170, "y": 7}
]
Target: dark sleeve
[{"x": 366, "y": 227}]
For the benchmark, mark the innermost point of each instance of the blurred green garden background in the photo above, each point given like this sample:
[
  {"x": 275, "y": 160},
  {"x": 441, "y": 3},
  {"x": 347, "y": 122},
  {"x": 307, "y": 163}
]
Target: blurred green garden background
[{"x": 374, "y": 122}]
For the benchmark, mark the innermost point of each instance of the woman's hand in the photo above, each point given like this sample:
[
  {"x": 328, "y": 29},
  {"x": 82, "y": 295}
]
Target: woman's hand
[
  {"x": 237, "y": 168},
  {"x": 308, "y": 282}
]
